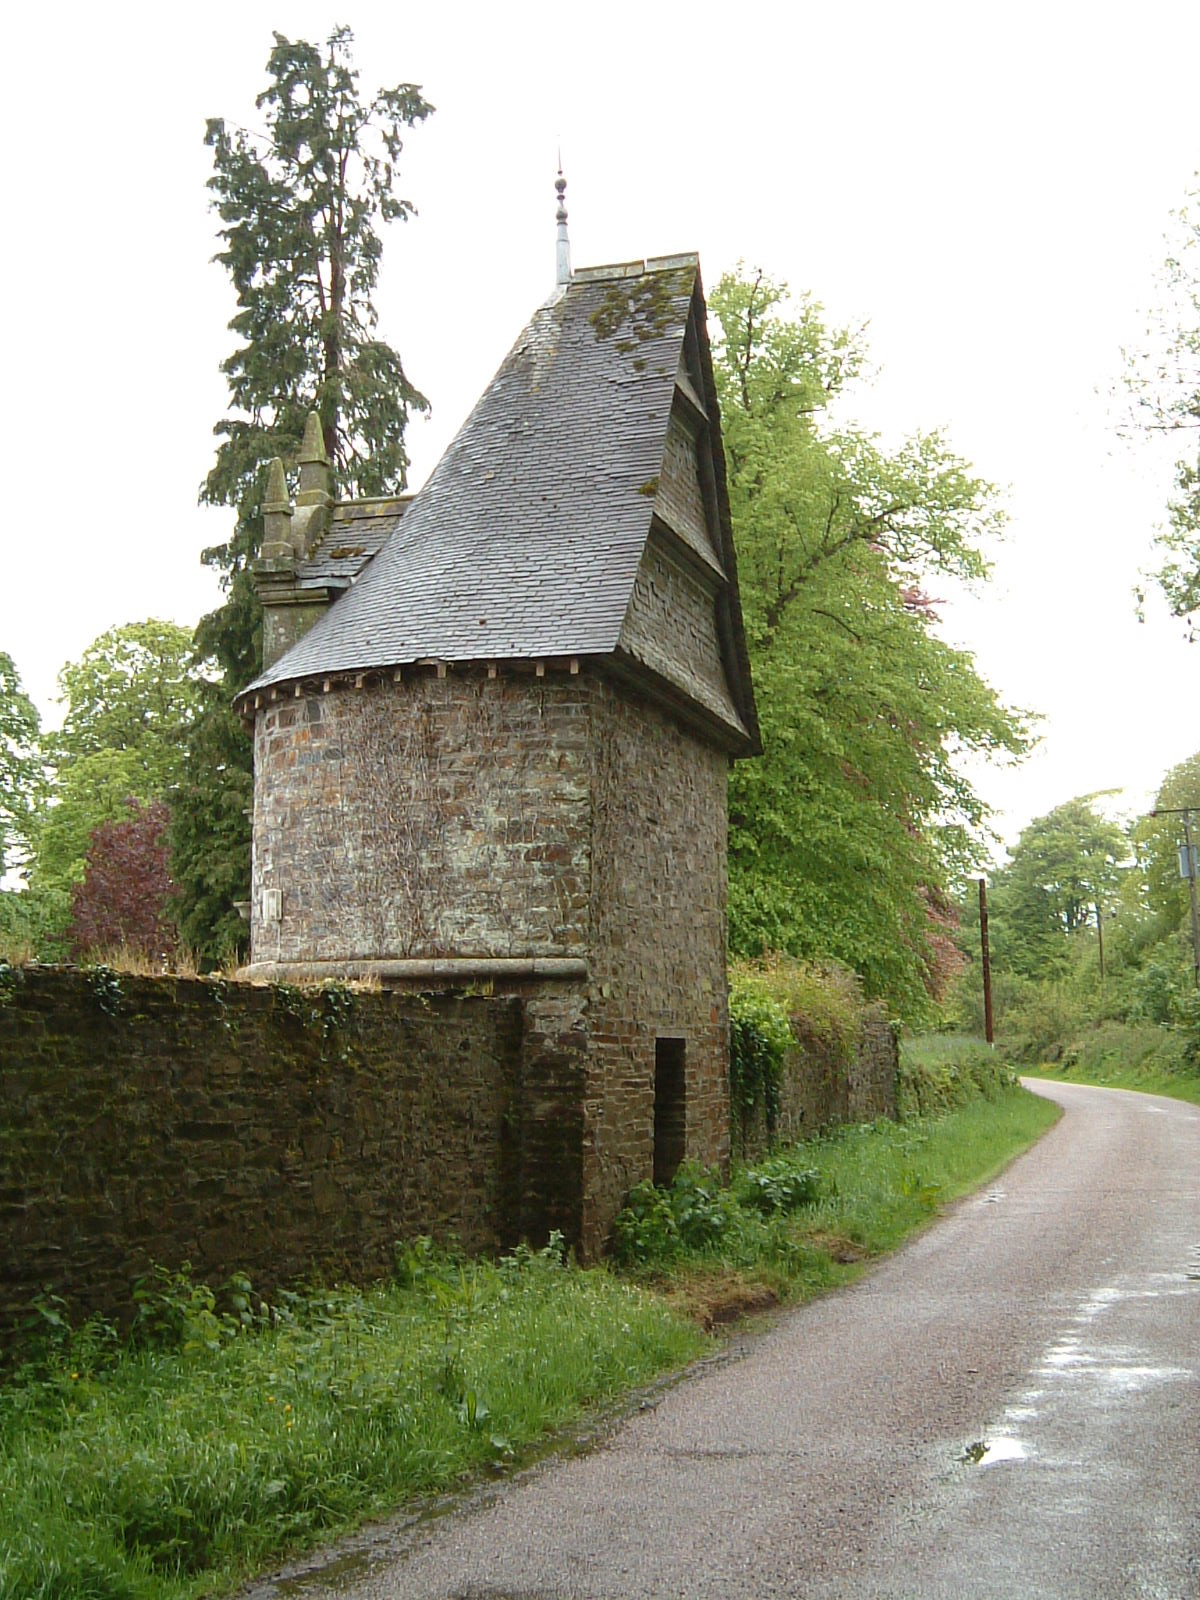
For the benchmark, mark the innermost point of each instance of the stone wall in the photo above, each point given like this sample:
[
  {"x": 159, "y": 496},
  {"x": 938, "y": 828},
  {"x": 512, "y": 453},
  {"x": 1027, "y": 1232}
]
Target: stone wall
[
  {"x": 820, "y": 1090},
  {"x": 253, "y": 1128},
  {"x": 658, "y": 946}
]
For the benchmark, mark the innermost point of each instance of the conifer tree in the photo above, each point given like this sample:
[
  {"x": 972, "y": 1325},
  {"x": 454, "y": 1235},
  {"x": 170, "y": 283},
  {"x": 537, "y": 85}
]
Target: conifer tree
[{"x": 300, "y": 207}]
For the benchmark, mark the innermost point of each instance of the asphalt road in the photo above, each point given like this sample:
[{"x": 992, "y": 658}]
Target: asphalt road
[{"x": 1009, "y": 1407}]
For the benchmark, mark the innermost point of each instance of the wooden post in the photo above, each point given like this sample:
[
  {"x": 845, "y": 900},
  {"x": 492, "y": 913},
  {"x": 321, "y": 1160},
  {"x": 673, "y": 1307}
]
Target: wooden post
[
  {"x": 1100, "y": 937},
  {"x": 988, "y": 1028},
  {"x": 1191, "y": 877}
]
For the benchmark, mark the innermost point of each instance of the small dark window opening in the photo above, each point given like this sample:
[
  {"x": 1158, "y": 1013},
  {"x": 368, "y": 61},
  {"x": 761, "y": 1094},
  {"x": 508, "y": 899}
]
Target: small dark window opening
[{"x": 670, "y": 1107}]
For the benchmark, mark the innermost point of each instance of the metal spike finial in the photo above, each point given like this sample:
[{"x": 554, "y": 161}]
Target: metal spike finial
[{"x": 563, "y": 263}]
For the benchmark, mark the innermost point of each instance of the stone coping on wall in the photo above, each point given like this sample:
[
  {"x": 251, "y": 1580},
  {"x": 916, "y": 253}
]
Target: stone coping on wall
[{"x": 450, "y": 969}]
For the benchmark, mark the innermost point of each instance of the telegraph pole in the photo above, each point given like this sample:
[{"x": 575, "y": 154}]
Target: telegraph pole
[
  {"x": 1190, "y": 863},
  {"x": 1187, "y": 869},
  {"x": 988, "y": 1029}
]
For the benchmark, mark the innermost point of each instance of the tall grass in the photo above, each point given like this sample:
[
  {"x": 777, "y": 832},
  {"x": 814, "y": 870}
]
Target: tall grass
[
  {"x": 156, "y": 1473},
  {"x": 883, "y": 1182}
]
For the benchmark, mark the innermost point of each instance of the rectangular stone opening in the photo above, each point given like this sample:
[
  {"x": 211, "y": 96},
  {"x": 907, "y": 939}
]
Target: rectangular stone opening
[{"x": 670, "y": 1107}]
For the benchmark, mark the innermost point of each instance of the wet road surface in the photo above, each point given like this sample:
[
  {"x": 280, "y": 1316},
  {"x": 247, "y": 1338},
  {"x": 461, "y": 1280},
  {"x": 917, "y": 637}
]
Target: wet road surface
[{"x": 1008, "y": 1407}]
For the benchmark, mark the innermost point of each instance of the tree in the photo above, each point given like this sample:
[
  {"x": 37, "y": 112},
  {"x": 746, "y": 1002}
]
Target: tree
[
  {"x": 210, "y": 835},
  {"x": 300, "y": 209},
  {"x": 1163, "y": 384},
  {"x": 303, "y": 250},
  {"x": 137, "y": 689},
  {"x": 22, "y": 787},
  {"x": 131, "y": 699},
  {"x": 857, "y": 818},
  {"x": 123, "y": 901},
  {"x": 1064, "y": 867},
  {"x": 21, "y": 774}
]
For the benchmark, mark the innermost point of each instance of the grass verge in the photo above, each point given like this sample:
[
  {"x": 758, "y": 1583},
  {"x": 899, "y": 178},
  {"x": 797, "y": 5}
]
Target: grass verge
[
  {"x": 167, "y": 1469},
  {"x": 1122, "y": 1055},
  {"x": 715, "y": 1252}
]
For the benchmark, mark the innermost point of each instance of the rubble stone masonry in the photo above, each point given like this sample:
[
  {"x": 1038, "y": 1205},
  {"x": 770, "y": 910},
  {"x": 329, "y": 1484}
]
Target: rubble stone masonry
[
  {"x": 430, "y": 817},
  {"x": 658, "y": 946},
  {"x": 820, "y": 1089}
]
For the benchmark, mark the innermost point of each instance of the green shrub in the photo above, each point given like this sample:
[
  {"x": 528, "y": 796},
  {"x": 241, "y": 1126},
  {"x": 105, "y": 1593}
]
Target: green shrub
[
  {"x": 777, "y": 1186},
  {"x": 1043, "y": 1023},
  {"x": 1122, "y": 1050},
  {"x": 759, "y": 1037},
  {"x": 964, "y": 1009},
  {"x": 657, "y": 1223},
  {"x": 775, "y": 1003},
  {"x": 696, "y": 1215},
  {"x": 1189, "y": 1018},
  {"x": 1156, "y": 992}
]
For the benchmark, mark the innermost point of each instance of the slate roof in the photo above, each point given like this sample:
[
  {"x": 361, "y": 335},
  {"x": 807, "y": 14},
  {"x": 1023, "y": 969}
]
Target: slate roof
[
  {"x": 358, "y": 531},
  {"x": 525, "y": 541}
]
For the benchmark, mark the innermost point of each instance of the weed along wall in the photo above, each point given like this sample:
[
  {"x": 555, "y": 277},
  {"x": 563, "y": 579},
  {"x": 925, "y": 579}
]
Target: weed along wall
[
  {"x": 821, "y": 1085},
  {"x": 266, "y": 1129}
]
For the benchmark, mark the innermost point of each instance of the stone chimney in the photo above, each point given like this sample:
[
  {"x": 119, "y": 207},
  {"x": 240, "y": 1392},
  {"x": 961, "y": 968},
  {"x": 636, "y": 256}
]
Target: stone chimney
[
  {"x": 315, "y": 499},
  {"x": 291, "y": 604},
  {"x": 277, "y": 516},
  {"x": 316, "y": 475}
]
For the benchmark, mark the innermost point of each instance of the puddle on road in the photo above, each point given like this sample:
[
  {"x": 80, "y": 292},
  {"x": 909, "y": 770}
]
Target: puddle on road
[
  {"x": 1130, "y": 1379},
  {"x": 1068, "y": 1353},
  {"x": 1081, "y": 1364},
  {"x": 1024, "y": 1413},
  {"x": 334, "y": 1575},
  {"x": 987, "y": 1452}
]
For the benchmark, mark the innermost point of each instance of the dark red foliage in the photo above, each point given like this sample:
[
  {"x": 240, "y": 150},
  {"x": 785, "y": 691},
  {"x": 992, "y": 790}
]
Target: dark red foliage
[{"x": 124, "y": 897}]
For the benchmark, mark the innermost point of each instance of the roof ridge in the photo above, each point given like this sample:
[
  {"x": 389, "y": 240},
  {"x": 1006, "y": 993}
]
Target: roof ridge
[{"x": 636, "y": 269}]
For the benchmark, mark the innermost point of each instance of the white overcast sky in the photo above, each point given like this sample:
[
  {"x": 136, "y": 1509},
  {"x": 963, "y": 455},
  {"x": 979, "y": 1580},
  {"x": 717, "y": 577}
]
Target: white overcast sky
[{"x": 987, "y": 187}]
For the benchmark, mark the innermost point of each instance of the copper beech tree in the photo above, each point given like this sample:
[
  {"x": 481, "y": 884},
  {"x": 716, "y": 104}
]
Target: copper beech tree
[{"x": 123, "y": 902}]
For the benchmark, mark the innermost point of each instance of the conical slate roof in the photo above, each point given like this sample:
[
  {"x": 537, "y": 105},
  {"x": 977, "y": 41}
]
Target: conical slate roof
[{"x": 526, "y": 540}]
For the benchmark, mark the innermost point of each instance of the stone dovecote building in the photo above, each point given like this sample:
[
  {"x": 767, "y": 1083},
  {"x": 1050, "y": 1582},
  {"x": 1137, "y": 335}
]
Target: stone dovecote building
[{"x": 494, "y": 728}]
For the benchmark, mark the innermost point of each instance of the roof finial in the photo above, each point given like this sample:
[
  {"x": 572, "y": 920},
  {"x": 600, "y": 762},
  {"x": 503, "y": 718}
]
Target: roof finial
[{"x": 563, "y": 273}]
